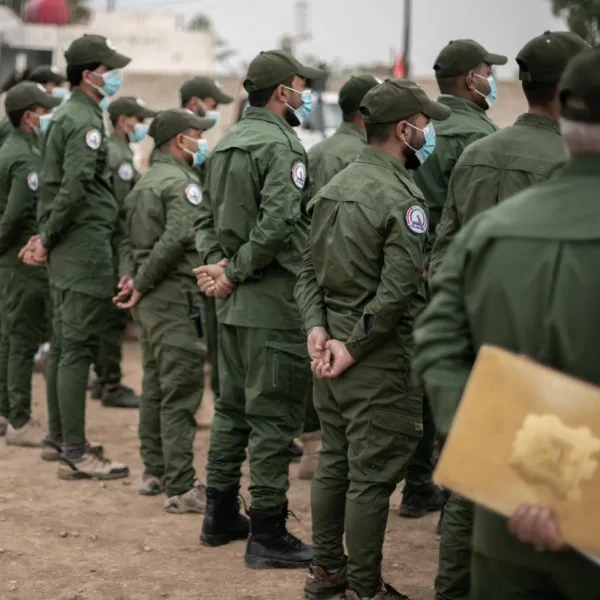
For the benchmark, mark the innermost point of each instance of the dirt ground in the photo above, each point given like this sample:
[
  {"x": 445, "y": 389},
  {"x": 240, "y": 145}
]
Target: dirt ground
[{"x": 102, "y": 541}]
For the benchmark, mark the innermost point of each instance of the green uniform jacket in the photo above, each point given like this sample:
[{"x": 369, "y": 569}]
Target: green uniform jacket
[
  {"x": 5, "y": 130},
  {"x": 78, "y": 212},
  {"x": 466, "y": 124},
  {"x": 254, "y": 213},
  {"x": 495, "y": 168},
  {"x": 362, "y": 271},
  {"x": 335, "y": 153},
  {"x": 20, "y": 162},
  {"x": 120, "y": 172},
  {"x": 161, "y": 211},
  {"x": 522, "y": 276}
]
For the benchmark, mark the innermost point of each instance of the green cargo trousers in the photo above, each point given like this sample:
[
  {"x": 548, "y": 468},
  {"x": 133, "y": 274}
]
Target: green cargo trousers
[
  {"x": 23, "y": 325},
  {"x": 172, "y": 390},
  {"x": 311, "y": 419},
  {"x": 211, "y": 334},
  {"x": 265, "y": 381},
  {"x": 567, "y": 576},
  {"x": 370, "y": 427},
  {"x": 107, "y": 364},
  {"x": 419, "y": 475},
  {"x": 77, "y": 322},
  {"x": 453, "y": 581}
]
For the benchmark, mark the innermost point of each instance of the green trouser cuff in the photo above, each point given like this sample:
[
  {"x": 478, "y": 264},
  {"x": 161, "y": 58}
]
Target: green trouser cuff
[{"x": 365, "y": 532}]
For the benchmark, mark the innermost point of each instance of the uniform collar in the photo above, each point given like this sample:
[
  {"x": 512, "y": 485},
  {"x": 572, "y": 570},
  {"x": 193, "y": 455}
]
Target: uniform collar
[
  {"x": 264, "y": 114},
  {"x": 461, "y": 105},
  {"x": 352, "y": 130},
  {"x": 578, "y": 166},
  {"x": 79, "y": 96},
  {"x": 158, "y": 156},
  {"x": 529, "y": 120},
  {"x": 375, "y": 156}
]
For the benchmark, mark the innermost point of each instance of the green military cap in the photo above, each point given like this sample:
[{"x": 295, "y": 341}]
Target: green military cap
[
  {"x": 579, "y": 88},
  {"x": 460, "y": 56},
  {"x": 203, "y": 87},
  {"x": 172, "y": 122},
  {"x": 545, "y": 57},
  {"x": 129, "y": 106},
  {"x": 44, "y": 74},
  {"x": 397, "y": 99},
  {"x": 28, "y": 93},
  {"x": 354, "y": 90},
  {"x": 273, "y": 67},
  {"x": 91, "y": 48}
]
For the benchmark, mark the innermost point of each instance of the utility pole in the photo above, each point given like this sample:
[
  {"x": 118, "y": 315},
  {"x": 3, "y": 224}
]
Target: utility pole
[
  {"x": 407, "y": 35},
  {"x": 111, "y": 5}
]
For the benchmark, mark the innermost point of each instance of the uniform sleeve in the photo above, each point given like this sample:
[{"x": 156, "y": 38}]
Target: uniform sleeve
[
  {"x": 20, "y": 203},
  {"x": 207, "y": 244},
  {"x": 400, "y": 275},
  {"x": 125, "y": 251},
  {"x": 121, "y": 176},
  {"x": 325, "y": 170},
  {"x": 79, "y": 166},
  {"x": 171, "y": 245},
  {"x": 444, "y": 352},
  {"x": 280, "y": 211},
  {"x": 308, "y": 294}
]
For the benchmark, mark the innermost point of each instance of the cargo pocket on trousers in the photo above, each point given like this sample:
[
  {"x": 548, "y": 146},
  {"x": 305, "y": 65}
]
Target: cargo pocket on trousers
[
  {"x": 288, "y": 378},
  {"x": 390, "y": 443}
]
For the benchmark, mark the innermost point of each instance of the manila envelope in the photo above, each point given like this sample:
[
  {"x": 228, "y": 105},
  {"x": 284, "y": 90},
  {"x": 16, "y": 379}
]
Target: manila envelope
[{"x": 526, "y": 434}]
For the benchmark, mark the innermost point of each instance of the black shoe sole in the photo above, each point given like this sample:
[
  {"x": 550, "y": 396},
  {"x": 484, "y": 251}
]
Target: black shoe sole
[
  {"x": 325, "y": 594},
  {"x": 214, "y": 540},
  {"x": 412, "y": 514},
  {"x": 261, "y": 562},
  {"x": 118, "y": 405}
]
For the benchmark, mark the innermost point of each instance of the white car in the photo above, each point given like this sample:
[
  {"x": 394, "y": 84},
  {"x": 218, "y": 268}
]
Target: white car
[{"x": 324, "y": 119}]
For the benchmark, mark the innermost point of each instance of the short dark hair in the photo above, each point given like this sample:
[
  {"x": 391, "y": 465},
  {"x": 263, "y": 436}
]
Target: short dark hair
[
  {"x": 539, "y": 94},
  {"x": 449, "y": 85},
  {"x": 15, "y": 116},
  {"x": 260, "y": 98},
  {"x": 379, "y": 132},
  {"x": 348, "y": 117},
  {"x": 114, "y": 119},
  {"x": 75, "y": 72}
]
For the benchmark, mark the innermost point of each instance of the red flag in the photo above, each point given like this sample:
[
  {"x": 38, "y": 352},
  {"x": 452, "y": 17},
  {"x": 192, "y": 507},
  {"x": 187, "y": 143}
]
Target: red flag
[
  {"x": 49, "y": 12},
  {"x": 399, "y": 68}
]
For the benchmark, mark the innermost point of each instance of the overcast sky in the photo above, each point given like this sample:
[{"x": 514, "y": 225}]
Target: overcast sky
[{"x": 363, "y": 31}]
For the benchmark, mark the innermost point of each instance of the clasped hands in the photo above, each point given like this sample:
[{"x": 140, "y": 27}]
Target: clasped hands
[
  {"x": 127, "y": 296},
  {"x": 213, "y": 281},
  {"x": 33, "y": 253},
  {"x": 328, "y": 358}
]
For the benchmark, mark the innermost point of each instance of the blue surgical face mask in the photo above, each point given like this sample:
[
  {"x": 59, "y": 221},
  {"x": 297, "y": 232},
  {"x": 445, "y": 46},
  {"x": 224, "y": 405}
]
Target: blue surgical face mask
[
  {"x": 199, "y": 157},
  {"x": 138, "y": 134},
  {"x": 304, "y": 110},
  {"x": 426, "y": 150},
  {"x": 215, "y": 115},
  {"x": 104, "y": 103},
  {"x": 60, "y": 92},
  {"x": 113, "y": 80},
  {"x": 45, "y": 121},
  {"x": 492, "y": 96}
]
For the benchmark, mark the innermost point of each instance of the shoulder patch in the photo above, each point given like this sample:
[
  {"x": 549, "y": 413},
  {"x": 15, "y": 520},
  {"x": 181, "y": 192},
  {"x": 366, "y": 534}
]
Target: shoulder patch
[
  {"x": 193, "y": 193},
  {"x": 299, "y": 174},
  {"x": 93, "y": 139},
  {"x": 416, "y": 219},
  {"x": 125, "y": 171},
  {"x": 33, "y": 181}
]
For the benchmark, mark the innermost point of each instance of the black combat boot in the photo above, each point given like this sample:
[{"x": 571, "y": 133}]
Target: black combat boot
[
  {"x": 223, "y": 522},
  {"x": 271, "y": 546}
]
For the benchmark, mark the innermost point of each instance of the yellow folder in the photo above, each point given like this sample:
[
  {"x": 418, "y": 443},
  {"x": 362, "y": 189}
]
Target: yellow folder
[{"x": 526, "y": 434}]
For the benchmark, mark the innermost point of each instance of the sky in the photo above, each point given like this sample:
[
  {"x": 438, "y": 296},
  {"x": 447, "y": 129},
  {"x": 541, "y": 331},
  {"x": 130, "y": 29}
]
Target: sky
[{"x": 363, "y": 31}]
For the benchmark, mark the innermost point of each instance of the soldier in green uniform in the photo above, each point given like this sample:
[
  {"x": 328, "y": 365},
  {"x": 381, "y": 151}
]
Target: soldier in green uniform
[
  {"x": 50, "y": 77},
  {"x": 463, "y": 71},
  {"x": 548, "y": 236},
  {"x": 325, "y": 160},
  {"x": 23, "y": 289},
  {"x": 77, "y": 216},
  {"x": 203, "y": 95},
  {"x": 251, "y": 232},
  {"x": 161, "y": 211},
  {"x": 362, "y": 285},
  {"x": 489, "y": 171},
  {"x": 127, "y": 115}
]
